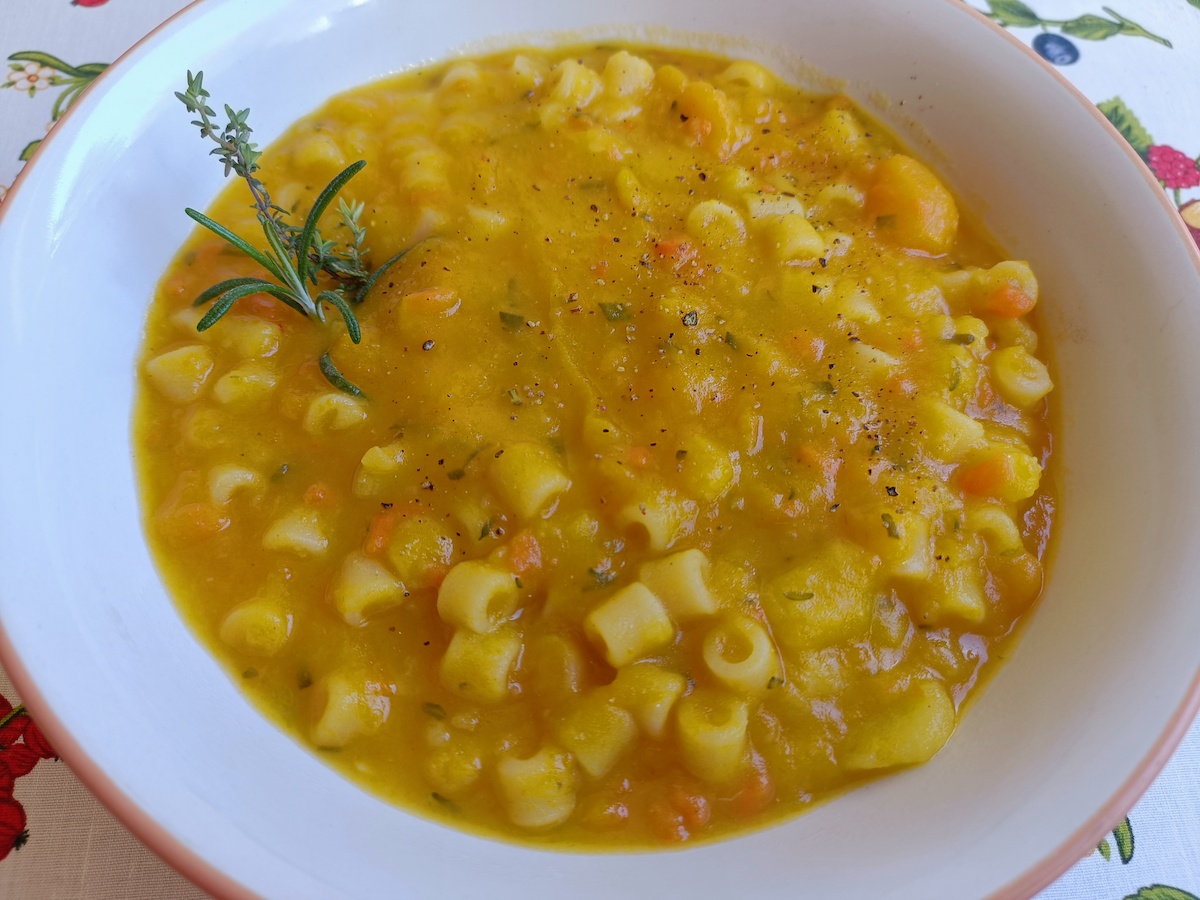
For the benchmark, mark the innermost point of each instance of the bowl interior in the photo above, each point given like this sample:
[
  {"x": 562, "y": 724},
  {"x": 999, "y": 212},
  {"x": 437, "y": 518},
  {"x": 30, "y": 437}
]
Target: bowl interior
[{"x": 1095, "y": 686}]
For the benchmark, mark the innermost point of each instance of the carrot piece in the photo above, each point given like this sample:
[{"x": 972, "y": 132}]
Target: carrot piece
[
  {"x": 192, "y": 522},
  {"x": 678, "y": 812},
  {"x": 264, "y": 306},
  {"x": 986, "y": 478},
  {"x": 985, "y": 394},
  {"x": 756, "y": 792},
  {"x": 433, "y": 302},
  {"x": 679, "y": 250},
  {"x": 1009, "y": 301},
  {"x": 524, "y": 553},
  {"x": 693, "y": 807},
  {"x": 318, "y": 494},
  {"x": 379, "y": 532},
  {"x": 806, "y": 344},
  {"x": 638, "y": 456}
]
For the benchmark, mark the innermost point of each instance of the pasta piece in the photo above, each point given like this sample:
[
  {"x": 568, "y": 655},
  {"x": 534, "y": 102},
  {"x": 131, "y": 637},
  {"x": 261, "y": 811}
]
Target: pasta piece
[
  {"x": 740, "y": 654},
  {"x": 650, "y": 692},
  {"x": 747, "y": 73},
  {"x": 716, "y": 223},
  {"x": 378, "y": 469},
  {"x": 299, "y": 531},
  {"x": 1022, "y": 379},
  {"x": 477, "y": 666},
  {"x": 319, "y": 151},
  {"x": 259, "y": 626},
  {"x": 575, "y": 85},
  {"x": 180, "y": 374},
  {"x": 627, "y": 75},
  {"x": 348, "y": 704},
  {"x": 679, "y": 581},
  {"x": 249, "y": 336},
  {"x": 527, "y": 73},
  {"x": 909, "y": 729},
  {"x": 334, "y": 412},
  {"x": 996, "y": 526},
  {"x": 764, "y": 206},
  {"x": 528, "y": 479},
  {"x": 244, "y": 384},
  {"x": 658, "y": 520},
  {"x": 538, "y": 792},
  {"x": 454, "y": 768},
  {"x": 557, "y": 667},
  {"x": 477, "y": 596},
  {"x": 712, "y": 735},
  {"x": 629, "y": 625},
  {"x": 226, "y": 480},
  {"x": 597, "y": 734},
  {"x": 362, "y": 587}
]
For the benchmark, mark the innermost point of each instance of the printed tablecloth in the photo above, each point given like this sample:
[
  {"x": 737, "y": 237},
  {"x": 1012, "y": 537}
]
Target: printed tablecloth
[{"x": 1140, "y": 64}]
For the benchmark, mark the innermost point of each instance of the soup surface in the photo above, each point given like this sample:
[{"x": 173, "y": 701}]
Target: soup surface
[{"x": 696, "y": 472}]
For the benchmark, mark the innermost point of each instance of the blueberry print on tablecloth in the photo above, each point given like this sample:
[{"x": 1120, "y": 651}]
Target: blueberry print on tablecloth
[{"x": 1058, "y": 48}]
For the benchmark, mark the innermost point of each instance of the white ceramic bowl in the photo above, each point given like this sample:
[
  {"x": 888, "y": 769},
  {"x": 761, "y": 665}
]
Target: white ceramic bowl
[{"x": 1099, "y": 691}]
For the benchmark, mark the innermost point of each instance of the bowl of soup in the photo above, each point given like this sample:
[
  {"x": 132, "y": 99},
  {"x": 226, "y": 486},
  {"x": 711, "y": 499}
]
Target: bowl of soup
[{"x": 707, "y": 450}]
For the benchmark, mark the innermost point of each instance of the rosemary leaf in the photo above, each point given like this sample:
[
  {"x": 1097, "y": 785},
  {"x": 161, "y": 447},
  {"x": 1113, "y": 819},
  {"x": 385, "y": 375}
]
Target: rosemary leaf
[{"x": 336, "y": 378}]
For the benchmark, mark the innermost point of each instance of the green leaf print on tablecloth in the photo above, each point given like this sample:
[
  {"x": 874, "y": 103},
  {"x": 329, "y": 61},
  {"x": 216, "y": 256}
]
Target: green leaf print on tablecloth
[
  {"x": 1088, "y": 27},
  {"x": 32, "y": 71},
  {"x": 1162, "y": 892},
  {"x": 1123, "y": 837}
]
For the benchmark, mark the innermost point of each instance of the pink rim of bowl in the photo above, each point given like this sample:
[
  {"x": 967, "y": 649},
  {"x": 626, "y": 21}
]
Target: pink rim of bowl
[{"x": 205, "y": 875}]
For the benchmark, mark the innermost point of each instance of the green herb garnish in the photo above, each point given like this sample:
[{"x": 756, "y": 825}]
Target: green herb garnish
[
  {"x": 889, "y": 525},
  {"x": 614, "y": 312},
  {"x": 296, "y": 255},
  {"x": 434, "y": 709},
  {"x": 798, "y": 596}
]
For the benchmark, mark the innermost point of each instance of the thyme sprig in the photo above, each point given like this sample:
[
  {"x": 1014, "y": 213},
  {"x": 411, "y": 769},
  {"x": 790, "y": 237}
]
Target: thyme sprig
[{"x": 295, "y": 255}]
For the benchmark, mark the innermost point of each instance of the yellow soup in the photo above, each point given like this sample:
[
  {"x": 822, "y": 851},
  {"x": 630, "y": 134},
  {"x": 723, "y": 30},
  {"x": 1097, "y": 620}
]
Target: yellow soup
[{"x": 697, "y": 471}]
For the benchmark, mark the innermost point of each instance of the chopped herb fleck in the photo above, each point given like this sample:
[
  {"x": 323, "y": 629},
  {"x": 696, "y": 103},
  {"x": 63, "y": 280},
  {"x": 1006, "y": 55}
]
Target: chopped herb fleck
[
  {"x": 963, "y": 338},
  {"x": 691, "y": 318},
  {"x": 486, "y": 529},
  {"x": 890, "y": 525},
  {"x": 455, "y": 474},
  {"x": 428, "y": 345},
  {"x": 250, "y": 673},
  {"x": 514, "y": 397},
  {"x": 434, "y": 709},
  {"x": 602, "y": 577},
  {"x": 798, "y": 596},
  {"x": 444, "y": 801},
  {"x": 303, "y": 679},
  {"x": 731, "y": 340},
  {"x": 892, "y": 492},
  {"x": 614, "y": 312},
  {"x": 680, "y": 455},
  {"x": 519, "y": 583},
  {"x": 773, "y": 682},
  {"x": 512, "y": 321}
]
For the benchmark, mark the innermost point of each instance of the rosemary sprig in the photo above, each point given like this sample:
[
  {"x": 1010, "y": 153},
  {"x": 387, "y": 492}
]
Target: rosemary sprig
[{"x": 296, "y": 255}]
